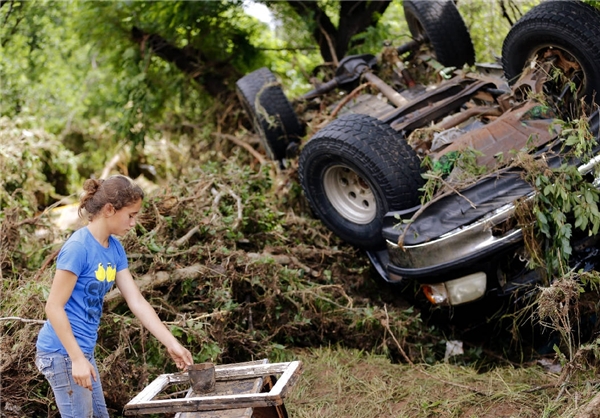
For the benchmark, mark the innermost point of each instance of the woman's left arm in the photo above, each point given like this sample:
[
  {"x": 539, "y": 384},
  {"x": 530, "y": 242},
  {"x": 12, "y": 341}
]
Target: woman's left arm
[{"x": 149, "y": 319}]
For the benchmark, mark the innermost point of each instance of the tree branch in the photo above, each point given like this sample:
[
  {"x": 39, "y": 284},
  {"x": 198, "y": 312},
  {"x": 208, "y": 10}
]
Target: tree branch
[
  {"x": 16, "y": 318},
  {"x": 191, "y": 61}
]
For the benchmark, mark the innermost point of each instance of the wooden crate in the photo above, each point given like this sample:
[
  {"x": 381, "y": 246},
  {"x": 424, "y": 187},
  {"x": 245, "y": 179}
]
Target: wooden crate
[{"x": 242, "y": 390}]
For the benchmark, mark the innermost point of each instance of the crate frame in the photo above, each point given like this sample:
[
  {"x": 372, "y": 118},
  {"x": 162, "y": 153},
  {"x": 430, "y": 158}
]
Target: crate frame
[{"x": 144, "y": 402}]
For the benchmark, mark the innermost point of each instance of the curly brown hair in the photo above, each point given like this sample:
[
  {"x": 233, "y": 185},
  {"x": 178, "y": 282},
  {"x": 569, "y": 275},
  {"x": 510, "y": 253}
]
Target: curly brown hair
[{"x": 118, "y": 190}]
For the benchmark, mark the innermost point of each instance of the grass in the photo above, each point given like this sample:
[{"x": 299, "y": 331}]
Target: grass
[{"x": 338, "y": 383}]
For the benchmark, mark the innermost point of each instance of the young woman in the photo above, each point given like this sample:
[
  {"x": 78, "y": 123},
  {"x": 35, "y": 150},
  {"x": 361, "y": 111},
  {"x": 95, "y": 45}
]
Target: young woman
[{"x": 88, "y": 264}]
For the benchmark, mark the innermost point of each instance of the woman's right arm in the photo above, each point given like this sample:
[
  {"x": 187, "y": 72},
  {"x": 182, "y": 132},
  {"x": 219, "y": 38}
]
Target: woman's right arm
[{"x": 60, "y": 292}]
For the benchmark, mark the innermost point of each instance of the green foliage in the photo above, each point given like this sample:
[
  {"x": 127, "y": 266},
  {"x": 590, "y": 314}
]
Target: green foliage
[
  {"x": 289, "y": 50},
  {"x": 144, "y": 89},
  {"x": 487, "y": 25},
  {"x": 37, "y": 169},
  {"x": 45, "y": 70},
  {"x": 456, "y": 168},
  {"x": 592, "y": 3},
  {"x": 564, "y": 200},
  {"x": 391, "y": 27},
  {"x": 76, "y": 61},
  {"x": 565, "y": 204},
  {"x": 564, "y": 189},
  {"x": 209, "y": 352}
]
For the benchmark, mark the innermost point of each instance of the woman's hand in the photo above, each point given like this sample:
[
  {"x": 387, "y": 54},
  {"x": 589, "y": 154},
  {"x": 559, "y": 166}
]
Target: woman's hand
[
  {"x": 82, "y": 370},
  {"x": 180, "y": 355}
]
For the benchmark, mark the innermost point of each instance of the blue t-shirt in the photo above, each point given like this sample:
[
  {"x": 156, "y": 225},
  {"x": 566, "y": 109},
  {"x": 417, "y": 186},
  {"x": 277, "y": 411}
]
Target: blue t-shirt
[{"x": 95, "y": 268}]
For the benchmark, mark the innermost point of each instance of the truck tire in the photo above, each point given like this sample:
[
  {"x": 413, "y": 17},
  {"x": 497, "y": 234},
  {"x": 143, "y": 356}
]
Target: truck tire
[
  {"x": 355, "y": 170},
  {"x": 569, "y": 27},
  {"x": 272, "y": 115},
  {"x": 441, "y": 23}
]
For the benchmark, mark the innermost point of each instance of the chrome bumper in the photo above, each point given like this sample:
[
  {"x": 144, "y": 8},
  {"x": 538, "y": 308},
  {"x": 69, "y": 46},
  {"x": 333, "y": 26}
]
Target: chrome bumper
[{"x": 464, "y": 244}]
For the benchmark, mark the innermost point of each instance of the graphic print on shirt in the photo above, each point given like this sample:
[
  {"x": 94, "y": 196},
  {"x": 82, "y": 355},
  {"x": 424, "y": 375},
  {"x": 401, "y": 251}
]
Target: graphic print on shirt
[
  {"x": 95, "y": 290},
  {"x": 111, "y": 273},
  {"x": 107, "y": 274}
]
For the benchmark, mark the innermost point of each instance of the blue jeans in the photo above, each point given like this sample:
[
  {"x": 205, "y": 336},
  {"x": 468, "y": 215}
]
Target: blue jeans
[{"x": 73, "y": 401}]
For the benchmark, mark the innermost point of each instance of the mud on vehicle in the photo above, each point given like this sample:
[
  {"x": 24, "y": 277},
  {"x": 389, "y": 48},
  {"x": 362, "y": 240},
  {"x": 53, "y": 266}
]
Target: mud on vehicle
[{"x": 363, "y": 173}]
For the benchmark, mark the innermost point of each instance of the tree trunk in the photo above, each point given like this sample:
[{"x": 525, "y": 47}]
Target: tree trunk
[{"x": 355, "y": 17}]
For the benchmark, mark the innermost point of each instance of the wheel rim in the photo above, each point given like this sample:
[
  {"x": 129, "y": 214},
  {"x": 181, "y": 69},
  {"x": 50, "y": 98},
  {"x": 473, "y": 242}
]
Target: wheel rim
[{"x": 350, "y": 194}]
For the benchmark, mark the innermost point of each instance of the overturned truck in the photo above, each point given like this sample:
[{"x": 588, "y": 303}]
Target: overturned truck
[{"x": 364, "y": 173}]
